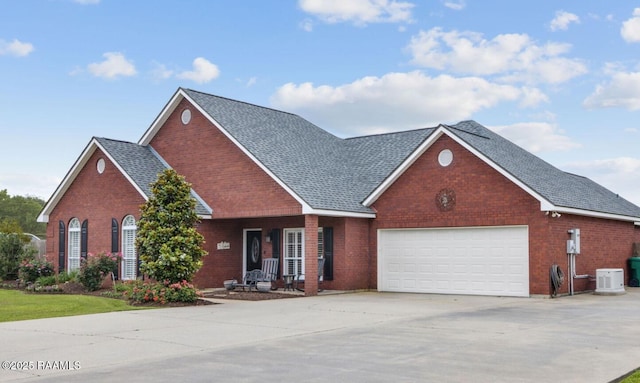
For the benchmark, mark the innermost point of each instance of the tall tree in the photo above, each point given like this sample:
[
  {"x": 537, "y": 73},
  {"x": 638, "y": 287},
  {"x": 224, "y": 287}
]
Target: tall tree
[
  {"x": 170, "y": 247},
  {"x": 22, "y": 211}
]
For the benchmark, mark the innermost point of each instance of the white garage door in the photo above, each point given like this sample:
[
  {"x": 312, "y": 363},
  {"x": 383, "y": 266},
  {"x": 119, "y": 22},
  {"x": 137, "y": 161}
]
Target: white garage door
[{"x": 474, "y": 260}]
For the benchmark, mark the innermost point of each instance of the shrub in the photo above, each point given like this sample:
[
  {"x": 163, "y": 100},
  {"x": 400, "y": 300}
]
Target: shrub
[
  {"x": 48, "y": 280},
  {"x": 32, "y": 269},
  {"x": 95, "y": 268},
  {"x": 170, "y": 247},
  {"x": 65, "y": 276},
  {"x": 161, "y": 292},
  {"x": 13, "y": 250}
]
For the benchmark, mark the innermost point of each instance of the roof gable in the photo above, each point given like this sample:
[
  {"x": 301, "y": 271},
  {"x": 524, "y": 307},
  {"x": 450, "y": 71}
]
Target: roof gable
[
  {"x": 328, "y": 175},
  {"x": 140, "y": 165},
  {"x": 555, "y": 189}
]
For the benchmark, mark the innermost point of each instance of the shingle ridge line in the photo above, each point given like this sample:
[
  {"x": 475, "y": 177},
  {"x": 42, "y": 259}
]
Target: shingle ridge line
[{"x": 242, "y": 102}]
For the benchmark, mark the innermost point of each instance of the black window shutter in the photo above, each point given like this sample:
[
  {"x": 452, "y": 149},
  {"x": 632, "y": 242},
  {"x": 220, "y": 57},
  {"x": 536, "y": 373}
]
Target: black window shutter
[
  {"x": 276, "y": 248},
  {"x": 327, "y": 233},
  {"x": 83, "y": 239},
  {"x": 115, "y": 242},
  {"x": 61, "y": 246},
  {"x": 115, "y": 233}
]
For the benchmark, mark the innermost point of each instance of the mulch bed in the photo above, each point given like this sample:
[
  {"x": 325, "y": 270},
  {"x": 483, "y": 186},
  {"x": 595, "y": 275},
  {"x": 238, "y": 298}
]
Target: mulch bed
[
  {"x": 248, "y": 295},
  {"x": 78, "y": 288}
]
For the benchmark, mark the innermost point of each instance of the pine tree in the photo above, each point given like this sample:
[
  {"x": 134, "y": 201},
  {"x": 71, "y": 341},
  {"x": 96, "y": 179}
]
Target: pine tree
[{"x": 170, "y": 247}]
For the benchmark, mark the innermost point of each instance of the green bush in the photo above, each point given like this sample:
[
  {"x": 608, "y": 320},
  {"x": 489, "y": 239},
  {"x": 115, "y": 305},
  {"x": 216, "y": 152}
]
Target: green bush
[
  {"x": 34, "y": 268},
  {"x": 68, "y": 276},
  {"x": 161, "y": 292},
  {"x": 170, "y": 247},
  {"x": 13, "y": 250},
  {"x": 95, "y": 268},
  {"x": 48, "y": 280}
]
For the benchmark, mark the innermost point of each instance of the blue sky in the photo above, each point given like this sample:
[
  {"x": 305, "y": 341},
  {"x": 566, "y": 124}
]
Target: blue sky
[{"x": 559, "y": 78}]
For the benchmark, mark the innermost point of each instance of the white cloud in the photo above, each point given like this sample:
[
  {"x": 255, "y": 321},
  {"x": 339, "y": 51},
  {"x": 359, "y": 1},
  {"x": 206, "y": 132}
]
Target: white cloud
[
  {"x": 622, "y": 91},
  {"x": 114, "y": 65},
  {"x": 562, "y": 20},
  {"x": 15, "y": 48},
  {"x": 359, "y": 12},
  {"x": 160, "y": 72},
  {"x": 455, "y": 5},
  {"x": 630, "y": 30},
  {"x": 536, "y": 136},
  {"x": 203, "y": 71},
  {"x": 395, "y": 101},
  {"x": 620, "y": 175},
  {"x": 515, "y": 57}
]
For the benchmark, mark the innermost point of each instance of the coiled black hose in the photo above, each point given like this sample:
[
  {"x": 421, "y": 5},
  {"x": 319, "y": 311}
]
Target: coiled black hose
[{"x": 557, "y": 279}]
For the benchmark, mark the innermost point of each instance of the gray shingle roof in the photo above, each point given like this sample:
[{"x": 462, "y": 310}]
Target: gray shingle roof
[
  {"x": 142, "y": 165},
  {"x": 560, "y": 188},
  {"x": 315, "y": 164},
  {"x": 331, "y": 173}
]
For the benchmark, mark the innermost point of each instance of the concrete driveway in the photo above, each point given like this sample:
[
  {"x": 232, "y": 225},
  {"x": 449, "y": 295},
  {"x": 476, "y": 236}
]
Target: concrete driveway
[{"x": 356, "y": 337}]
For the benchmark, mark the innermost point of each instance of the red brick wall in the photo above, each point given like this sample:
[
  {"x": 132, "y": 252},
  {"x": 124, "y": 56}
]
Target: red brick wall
[
  {"x": 603, "y": 244},
  {"x": 97, "y": 198},
  {"x": 232, "y": 184},
  {"x": 351, "y": 266},
  {"x": 485, "y": 198}
]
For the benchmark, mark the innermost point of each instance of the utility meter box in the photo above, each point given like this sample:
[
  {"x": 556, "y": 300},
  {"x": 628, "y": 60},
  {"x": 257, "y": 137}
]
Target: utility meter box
[{"x": 573, "y": 244}]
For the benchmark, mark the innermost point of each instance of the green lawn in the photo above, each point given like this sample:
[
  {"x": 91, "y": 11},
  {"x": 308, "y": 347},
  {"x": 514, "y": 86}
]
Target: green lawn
[
  {"x": 633, "y": 378},
  {"x": 16, "y": 305}
]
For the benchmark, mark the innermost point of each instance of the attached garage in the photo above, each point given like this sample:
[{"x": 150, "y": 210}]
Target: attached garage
[{"x": 470, "y": 260}]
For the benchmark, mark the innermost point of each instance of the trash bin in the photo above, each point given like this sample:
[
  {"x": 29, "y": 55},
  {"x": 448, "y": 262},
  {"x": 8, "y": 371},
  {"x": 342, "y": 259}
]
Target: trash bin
[{"x": 634, "y": 274}]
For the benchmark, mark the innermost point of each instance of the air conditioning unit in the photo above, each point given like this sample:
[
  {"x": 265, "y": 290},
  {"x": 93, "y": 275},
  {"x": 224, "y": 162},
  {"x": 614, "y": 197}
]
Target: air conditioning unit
[{"x": 609, "y": 281}]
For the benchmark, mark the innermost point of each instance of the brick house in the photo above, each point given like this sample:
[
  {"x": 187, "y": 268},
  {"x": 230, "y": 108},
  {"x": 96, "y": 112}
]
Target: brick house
[{"x": 453, "y": 209}]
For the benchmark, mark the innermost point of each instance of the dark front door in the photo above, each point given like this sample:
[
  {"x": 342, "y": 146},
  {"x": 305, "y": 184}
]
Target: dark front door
[{"x": 253, "y": 249}]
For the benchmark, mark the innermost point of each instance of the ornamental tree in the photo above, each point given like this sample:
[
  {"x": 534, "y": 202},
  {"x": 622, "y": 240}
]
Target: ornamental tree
[{"x": 170, "y": 248}]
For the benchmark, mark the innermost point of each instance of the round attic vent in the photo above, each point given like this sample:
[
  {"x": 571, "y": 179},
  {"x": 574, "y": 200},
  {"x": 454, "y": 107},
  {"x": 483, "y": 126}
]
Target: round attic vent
[
  {"x": 186, "y": 116},
  {"x": 100, "y": 165},
  {"x": 445, "y": 157}
]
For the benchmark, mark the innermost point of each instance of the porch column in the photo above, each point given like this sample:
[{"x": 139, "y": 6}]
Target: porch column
[{"x": 310, "y": 255}]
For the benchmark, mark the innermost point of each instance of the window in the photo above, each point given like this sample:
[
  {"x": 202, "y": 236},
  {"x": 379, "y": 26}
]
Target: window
[
  {"x": 74, "y": 245},
  {"x": 293, "y": 251},
  {"x": 129, "y": 258}
]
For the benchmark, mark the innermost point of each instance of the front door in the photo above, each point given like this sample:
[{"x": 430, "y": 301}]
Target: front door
[{"x": 253, "y": 249}]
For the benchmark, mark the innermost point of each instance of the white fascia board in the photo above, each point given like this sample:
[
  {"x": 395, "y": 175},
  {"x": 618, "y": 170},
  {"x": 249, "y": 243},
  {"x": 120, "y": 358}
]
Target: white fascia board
[
  {"x": 337, "y": 213},
  {"x": 590, "y": 213}
]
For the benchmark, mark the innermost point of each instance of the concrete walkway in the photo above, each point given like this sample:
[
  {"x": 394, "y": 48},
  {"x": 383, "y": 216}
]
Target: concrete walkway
[{"x": 356, "y": 337}]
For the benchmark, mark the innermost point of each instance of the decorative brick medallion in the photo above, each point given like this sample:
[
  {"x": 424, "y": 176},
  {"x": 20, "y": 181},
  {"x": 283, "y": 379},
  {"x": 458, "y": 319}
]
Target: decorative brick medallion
[{"x": 446, "y": 199}]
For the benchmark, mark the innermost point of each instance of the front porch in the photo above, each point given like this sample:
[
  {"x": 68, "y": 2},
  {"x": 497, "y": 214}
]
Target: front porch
[{"x": 236, "y": 246}]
